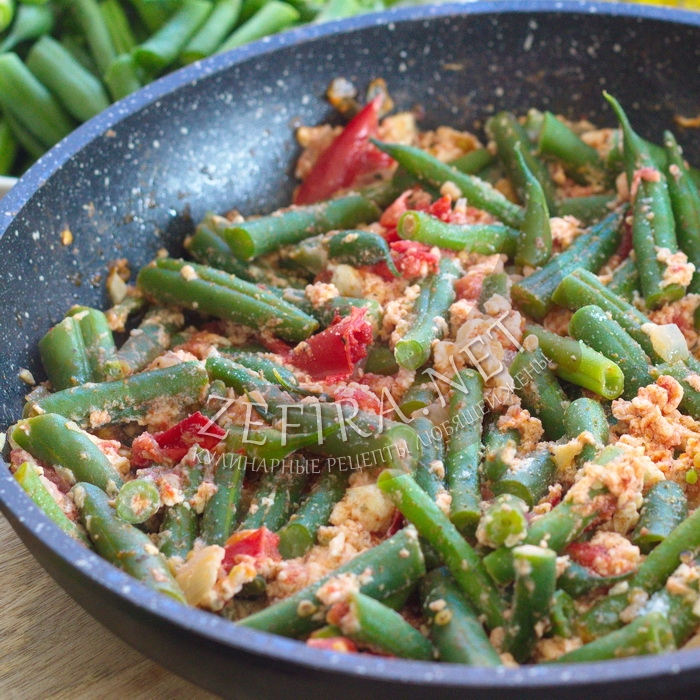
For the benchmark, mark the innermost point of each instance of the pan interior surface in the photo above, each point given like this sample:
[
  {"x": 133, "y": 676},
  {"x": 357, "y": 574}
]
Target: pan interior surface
[{"x": 220, "y": 135}]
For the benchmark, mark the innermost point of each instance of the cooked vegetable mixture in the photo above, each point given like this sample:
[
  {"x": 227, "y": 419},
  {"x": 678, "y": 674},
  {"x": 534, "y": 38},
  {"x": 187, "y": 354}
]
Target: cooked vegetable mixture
[{"x": 445, "y": 406}]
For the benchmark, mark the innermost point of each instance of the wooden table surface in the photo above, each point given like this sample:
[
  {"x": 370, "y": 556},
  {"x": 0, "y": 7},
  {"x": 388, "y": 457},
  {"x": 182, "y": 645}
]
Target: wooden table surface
[{"x": 51, "y": 648}]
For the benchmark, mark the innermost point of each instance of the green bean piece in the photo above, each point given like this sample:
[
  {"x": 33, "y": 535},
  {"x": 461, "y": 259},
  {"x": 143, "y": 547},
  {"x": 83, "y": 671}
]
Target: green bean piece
[
  {"x": 496, "y": 283},
  {"x": 500, "y": 447},
  {"x": 436, "y": 295},
  {"x": 588, "y": 210},
  {"x": 535, "y": 578},
  {"x": 534, "y": 246},
  {"x": 154, "y": 14},
  {"x": 255, "y": 237},
  {"x": 561, "y": 612},
  {"x": 540, "y": 392},
  {"x": 338, "y": 9},
  {"x": 579, "y": 581},
  {"x": 180, "y": 525},
  {"x": 651, "y": 575},
  {"x": 434, "y": 526},
  {"x": 77, "y": 47},
  {"x": 150, "y": 340},
  {"x": 64, "y": 355},
  {"x": 30, "y": 143},
  {"x": 463, "y": 449},
  {"x": 647, "y": 634},
  {"x": 118, "y": 26},
  {"x": 685, "y": 376},
  {"x": 429, "y": 472},
  {"x": 378, "y": 627},
  {"x": 277, "y": 496},
  {"x": 221, "y": 511},
  {"x": 665, "y": 507},
  {"x": 219, "y": 294},
  {"x": 504, "y": 522},
  {"x": 8, "y": 147},
  {"x": 593, "y": 326},
  {"x": 581, "y": 161},
  {"x": 360, "y": 248},
  {"x": 299, "y": 534},
  {"x": 122, "y": 77},
  {"x": 615, "y": 158},
  {"x": 429, "y": 170},
  {"x": 161, "y": 49},
  {"x": 528, "y": 478},
  {"x": 453, "y": 624},
  {"x": 272, "y": 371},
  {"x": 118, "y": 315},
  {"x": 137, "y": 501},
  {"x": 590, "y": 251},
  {"x": 575, "y": 362},
  {"x": 31, "y": 22},
  {"x": 55, "y": 440},
  {"x": 685, "y": 201},
  {"x": 381, "y": 360},
  {"x": 625, "y": 280},
  {"x": 273, "y": 17},
  {"x": 28, "y": 478},
  {"x": 507, "y": 132},
  {"x": 94, "y": 28},
  {"x": 653, "y": 225},
  {"x": 100, "y": 350},
  {"x": 30, "y": 103},
  {"x": 121, "y": 543},
  {"x": 587, "y": 415},
  {"x": 485, "y": 239},
  {"x": 212, "y": 33},
  {"x": 420, "y": 395},
  {"x": 123, "y": 400},
  {"x": 394, "y": 568},
  {"x": 473, "y": 162}
]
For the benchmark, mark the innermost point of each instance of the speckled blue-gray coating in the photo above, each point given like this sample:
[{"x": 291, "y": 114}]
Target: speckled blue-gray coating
[{"x": 218, "y": 135}]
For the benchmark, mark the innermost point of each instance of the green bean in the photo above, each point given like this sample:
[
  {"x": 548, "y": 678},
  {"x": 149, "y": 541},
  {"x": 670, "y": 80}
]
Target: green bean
[
  {"x": 221, "y": 511},
  {"x": 76, "y": 46},
  {"x": 690, "y": 402},
  {"x": 299, "y": 534},
  {"x": 588, "y": 210},
  {"x": 587, "y": 415},
  {"x": 529, "y": 477},
  {"x": 579, "y": 581},
  {"x": 507, "y": 132},
  {"x": 430, "y": 308},
  {"x": 431, "y": 171},
  {"x": 496, "y": 283},
  {"x": 118, "y": 26},
  {"x": 647, "y": 634},
  {"x": 180, "y": 525},
  {"x": 94, "y": 29},
  {"x": 561, "y": 612},
  {"x": 154, "y": 14},
  {"x": 381, "y": 360},
  {"x": 118, "y": 315},
  {"x": 360, "y": 248},
  {"x": 500, "y": 447},
  {"x": 152, "y": 338},
  {"x": 64, "y": 355},
  {"x": 382, "y": 629},
  {"x": 453, "y": 624},
  {"x": 434, "y": 526},
  {"x": 665, "y": 507},
  {"x": 504, "y": 522},
  {"x": 589, "y": 251},
  {"x": 575, "y": 362},
  {"x": 388, "y": 573},
  {"x": 593, "y": 326},
  {"x": 34, "y": 147},
  {"x": 685, "y": 201},
  {"x": 473, "y": 162},
  {"x": 222, "y": 295},
  {"x": 581, "y": 161},
  {"x": 28, "y": 478},
  {"x": 122, "y": 77},
  {"x": 273, "y": 17},
  {"x": 255, "y": 237},
  {"x": 272, "y": 371},
  {"x": 420, "y": 395},
  {"x": 625, "y": 280},
  {"x": 123, "y": 400},
  {"x": 31, "y": 22},
  {"x": 615, "y": 158},
  {"x": 122, "y": 544},
  {"x": 30, "y": 103},
  {"x": 55, "y": 440},
  {"x": 162, "y": 48},
  {"x": 8, "y": 147},
  {"x": 137, "y": 501},
  {"x": 99, "y": 343},
  {"x": 535, "y": 578},
  {"x": 429, "y": 472},
  {"x": 540, "y": 392},
  {"x": 485, "y": 239},
  {"x": 338, "y": 9},
  {"x": 462, "y": 458},
  {"x": 220, "y": 22}
]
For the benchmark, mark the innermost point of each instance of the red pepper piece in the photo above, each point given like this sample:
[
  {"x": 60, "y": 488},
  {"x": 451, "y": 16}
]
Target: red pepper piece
[
  {"x": 342, "y": 645},
  {"x": 348, "y": 156},
  {"x": 333, "y": 353},
  {"x": 196, "y": 429},
  {"x": 259, "y": 544}
]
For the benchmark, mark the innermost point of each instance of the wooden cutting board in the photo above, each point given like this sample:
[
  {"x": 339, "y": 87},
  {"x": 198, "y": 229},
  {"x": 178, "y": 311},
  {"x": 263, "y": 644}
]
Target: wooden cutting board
[{"x": 51, "y": 648}]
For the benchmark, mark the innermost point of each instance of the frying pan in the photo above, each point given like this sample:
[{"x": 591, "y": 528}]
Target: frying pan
[{"x": 220, "y": 134}]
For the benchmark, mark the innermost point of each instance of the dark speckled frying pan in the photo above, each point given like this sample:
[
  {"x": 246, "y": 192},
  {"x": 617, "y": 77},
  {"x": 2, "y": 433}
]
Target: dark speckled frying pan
[{"x": 221, "y": 134}]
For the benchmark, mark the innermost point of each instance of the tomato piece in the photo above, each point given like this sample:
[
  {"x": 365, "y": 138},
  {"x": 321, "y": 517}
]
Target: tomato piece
[
  {"x": 259, "y": 544},
  {"x": 414, "y": 259},
  {"x": 348, "y": 156},
  {"x": 339, "y": 644},
  {"x": 585, "y": 553},
  {"x": 333, "y": 353}
]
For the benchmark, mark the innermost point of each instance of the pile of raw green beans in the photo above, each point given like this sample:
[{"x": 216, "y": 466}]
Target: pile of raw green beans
[
  {"x": 276, "y": 438},
  {"x": 62, "y": 63}
]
